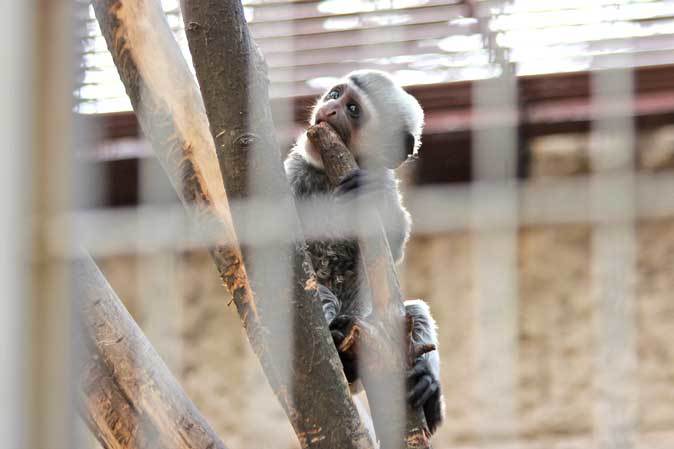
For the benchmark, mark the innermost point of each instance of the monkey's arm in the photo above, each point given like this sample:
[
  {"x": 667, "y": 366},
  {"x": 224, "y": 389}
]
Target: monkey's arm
[
  {"x": 397, "y": 222},
  {"x": 381, "y": 189},
  {"x": 424, "y": 378},
  {"x": 338, "y": 327}
]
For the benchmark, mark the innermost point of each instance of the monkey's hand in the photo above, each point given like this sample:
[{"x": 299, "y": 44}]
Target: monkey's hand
[
  {"x": 339, "y": 328},
  {"x": 358, "y": 183},
  {"x": 424, "y": 391}
]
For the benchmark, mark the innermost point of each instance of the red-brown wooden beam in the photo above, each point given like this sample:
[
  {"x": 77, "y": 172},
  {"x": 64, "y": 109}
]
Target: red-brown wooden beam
[{"x": 550, "y": 104}]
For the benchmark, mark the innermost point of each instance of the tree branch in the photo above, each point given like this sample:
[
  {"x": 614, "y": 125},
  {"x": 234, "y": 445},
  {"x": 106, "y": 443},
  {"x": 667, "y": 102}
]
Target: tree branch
[
  {"x": 306, "y": 376},
  {"x": 386, "y": 337},
  {"x": 127, "y": 395}
]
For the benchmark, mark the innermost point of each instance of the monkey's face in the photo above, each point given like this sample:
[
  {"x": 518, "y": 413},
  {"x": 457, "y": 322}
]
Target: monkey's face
[
  {"x": 370, "y": 134},
  {"x": 343, "y": 108}
]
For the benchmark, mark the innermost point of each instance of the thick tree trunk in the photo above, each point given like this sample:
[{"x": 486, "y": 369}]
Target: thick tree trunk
[
  {"x": 306, "y": 377},
  {"x": 383, "y": 338},
  {"x": 234, "y": 86},
  {"x": 127, "y": 395}
]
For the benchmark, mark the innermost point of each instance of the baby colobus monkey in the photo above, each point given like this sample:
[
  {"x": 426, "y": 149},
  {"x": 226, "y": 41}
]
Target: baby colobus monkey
[{"x": 381, "y": 125}]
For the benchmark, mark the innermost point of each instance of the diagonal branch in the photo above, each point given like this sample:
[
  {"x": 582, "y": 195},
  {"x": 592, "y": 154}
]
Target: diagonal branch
[
  {"x": 234, "y": 85},
  {"x": 171, "y": 113},
  {"x": 127, "y": 395},
  {"x": 384, "y": 337}
]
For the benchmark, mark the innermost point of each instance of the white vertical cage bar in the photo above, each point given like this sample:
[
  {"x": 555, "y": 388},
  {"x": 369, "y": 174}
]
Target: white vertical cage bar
[
  {"x": 159, "y": 288},
  {"x": 156, "y": 292},
  {"x": 494, "y": 237},
  {"x": 261, "y": 252},
  {"x": 158, "y": 285},
  {"x": 613, "y": 259},
  {"x": 49, "y": 397},
  {"x": 494, "y": 215},
  {"x": 393, "y": 388},
  {"x": 16, "y": 46}
]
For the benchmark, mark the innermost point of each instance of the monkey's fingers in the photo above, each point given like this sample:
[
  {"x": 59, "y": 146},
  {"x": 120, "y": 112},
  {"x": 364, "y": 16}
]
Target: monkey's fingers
[
  {"x": 359, "y": 183},
  {"x": 342, "y": 322},
  {"x": 409, "y": 325},
  {"x": 419, "y": 389},
  {"x": 426, "y": 395},
  {"x": 337, "y": 337},
  {"x": 350, "y": 339},
  {"x": 419, "y": 350},
  {"x": 418, "y": 370}
]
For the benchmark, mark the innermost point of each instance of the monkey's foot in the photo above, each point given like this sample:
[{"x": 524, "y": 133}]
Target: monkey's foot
[
  {"x": 424, "y": 391},
  {"x": 345, "y": 331}
]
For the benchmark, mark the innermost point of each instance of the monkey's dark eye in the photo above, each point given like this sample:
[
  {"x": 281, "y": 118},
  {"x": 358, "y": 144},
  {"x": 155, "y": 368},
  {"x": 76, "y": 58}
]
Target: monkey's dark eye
[
  {"x": 333, "y": 94},
  {"x": 354, "y": 110}
]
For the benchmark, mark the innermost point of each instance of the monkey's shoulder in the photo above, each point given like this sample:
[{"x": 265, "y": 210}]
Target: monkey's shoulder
[{"x": 305, "y": 179}]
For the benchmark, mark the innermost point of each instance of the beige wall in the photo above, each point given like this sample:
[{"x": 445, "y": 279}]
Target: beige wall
[{"x": 182, "y": 307}]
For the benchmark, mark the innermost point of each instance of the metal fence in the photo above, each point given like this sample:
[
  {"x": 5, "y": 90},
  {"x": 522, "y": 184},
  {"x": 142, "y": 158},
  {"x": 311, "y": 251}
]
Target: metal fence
[{"x": 43, "y": 226}]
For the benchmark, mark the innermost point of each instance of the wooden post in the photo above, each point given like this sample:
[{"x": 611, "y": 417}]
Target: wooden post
[
  {"x": 171, "y": 113},
  {"x": 383, "y": 337},
  {"x": 127, "y": 395}
]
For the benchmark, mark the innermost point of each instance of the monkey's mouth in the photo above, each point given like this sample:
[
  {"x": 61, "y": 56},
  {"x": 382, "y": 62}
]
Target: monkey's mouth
[{"x": 341, "y": 132}]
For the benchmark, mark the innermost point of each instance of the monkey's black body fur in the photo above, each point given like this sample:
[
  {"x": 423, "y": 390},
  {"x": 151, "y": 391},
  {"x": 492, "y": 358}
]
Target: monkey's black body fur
[
  {"x": 381, "y": 125},
  {"x": 336, "y": 260}
]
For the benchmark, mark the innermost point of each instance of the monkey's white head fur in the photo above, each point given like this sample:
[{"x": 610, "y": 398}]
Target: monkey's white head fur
[
  {"x": 393, "y": 121},
  {"x": 396, "y": 109}
]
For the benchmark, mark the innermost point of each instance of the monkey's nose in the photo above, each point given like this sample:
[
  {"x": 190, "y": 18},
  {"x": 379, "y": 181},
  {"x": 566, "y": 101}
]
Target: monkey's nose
[{"x": 324, "y": 114}]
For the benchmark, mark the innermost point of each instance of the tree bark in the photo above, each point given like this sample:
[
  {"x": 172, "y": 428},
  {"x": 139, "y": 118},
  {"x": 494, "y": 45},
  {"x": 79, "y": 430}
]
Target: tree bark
[
  {"x": 234, "y": 86},
  {"x": 383, "y": 335},
  {"x": 306, "y": 377},
  {"x": 127, "y": 395}
]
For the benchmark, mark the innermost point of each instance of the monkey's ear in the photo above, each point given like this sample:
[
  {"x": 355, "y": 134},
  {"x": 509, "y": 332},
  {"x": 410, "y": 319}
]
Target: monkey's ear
[
  {"x": 408, "y": 145},
  {"x": 404, "y": 148}
]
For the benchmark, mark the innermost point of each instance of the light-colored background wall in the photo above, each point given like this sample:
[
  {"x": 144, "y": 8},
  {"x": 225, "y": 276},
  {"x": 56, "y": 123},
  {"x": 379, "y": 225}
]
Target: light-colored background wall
[
  {"x": 201, "y": 339},
  {"x": 178, "y": 300}
]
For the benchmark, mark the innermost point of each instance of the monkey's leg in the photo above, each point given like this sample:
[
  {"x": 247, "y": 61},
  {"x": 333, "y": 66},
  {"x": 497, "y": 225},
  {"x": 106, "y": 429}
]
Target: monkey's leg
[
  {"x": 339, "y": 327},
  {"x": 331, "y": 305},
  {"x": 424, "y": 377}
]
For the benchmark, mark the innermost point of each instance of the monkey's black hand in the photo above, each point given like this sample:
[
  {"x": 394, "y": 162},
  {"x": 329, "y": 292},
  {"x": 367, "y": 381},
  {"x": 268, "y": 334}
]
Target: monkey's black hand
[
  {"x": 424, "y": 391},
  {"x": 339, "y": 328},
  {"x": 359, "y": 182}
]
